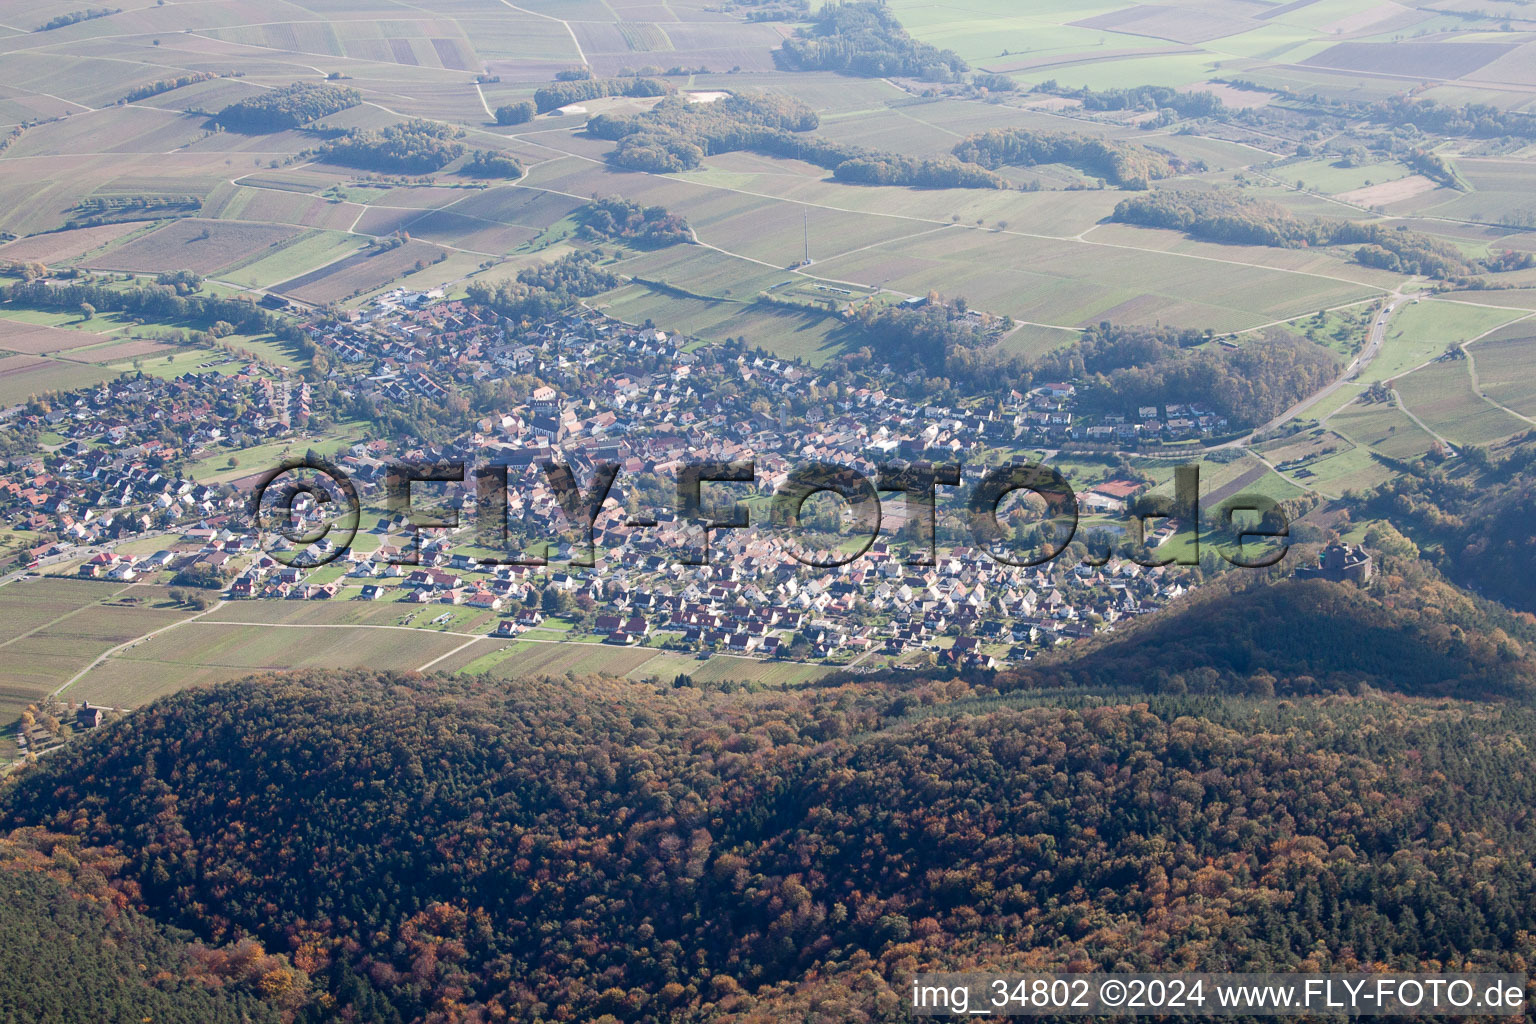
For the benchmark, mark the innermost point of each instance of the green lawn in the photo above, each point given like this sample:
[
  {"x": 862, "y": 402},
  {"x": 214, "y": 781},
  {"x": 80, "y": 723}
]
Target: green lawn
[{"x": 308, "y": 252}]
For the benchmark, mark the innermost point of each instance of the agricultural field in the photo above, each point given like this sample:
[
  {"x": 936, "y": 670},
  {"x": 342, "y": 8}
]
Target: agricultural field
[
  {"x": 1383, "y": 428},
  {"x": 1068, "y": 283},
  {"x": 202, "y": 246},
  {"x": 1442, "y": 397},
  {"x": 39, "y": 339},
  {"x": 522, "y": 659},
  {"x": 1421, "y": 331},
  {"x": 663, "y": 668},
  {"x": 295, "y": 257},
  {"x": 66, "y": 246},
  {"x": 1501, "y": 192},
  {"x": 361, "y": 272},
  {"x": 53, "y": 628},
  {"x": 202, "y": 652},
  {"x": 1443, "y": 61},
  {"x": 1502, "y": 363},
  {"x": 804, "y": 334}
]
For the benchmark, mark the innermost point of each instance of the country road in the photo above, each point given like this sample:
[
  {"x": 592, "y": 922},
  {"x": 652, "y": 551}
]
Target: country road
[{"x": 1372, "y": 349}]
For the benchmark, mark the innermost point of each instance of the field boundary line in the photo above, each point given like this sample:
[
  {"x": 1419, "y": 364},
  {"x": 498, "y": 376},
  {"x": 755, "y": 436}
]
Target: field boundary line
[
  {"x": 1472, "y": 370},
  {"x": 441, "y": 657},
  {"x": 579, "y": 51}
]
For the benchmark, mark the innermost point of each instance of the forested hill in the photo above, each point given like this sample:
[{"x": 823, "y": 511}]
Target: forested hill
[
  {"x": 436, "y": 849},
  {"x": 1406, "y": 632},
  {"x": 1471, "y": 516},
  {"x": 73, "y": 950}
]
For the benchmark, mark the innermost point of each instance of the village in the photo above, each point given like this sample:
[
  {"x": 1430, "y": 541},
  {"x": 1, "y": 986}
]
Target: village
[{"x": 117, "y": 503}]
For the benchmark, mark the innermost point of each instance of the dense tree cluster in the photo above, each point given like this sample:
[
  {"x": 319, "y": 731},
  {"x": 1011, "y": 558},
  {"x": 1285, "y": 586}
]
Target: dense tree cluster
[
  {"x": 1123, "y": 164},
  {"x": 935, "y": 336},
  {"x": 488, "y": 163},
  {"x": 160, "y": 303},
  {"x": 676, "y": 135},
  {"x": 1432, "y": 165},
  {"x": 544, "y": 290},
  {"x": 561, "y": 94},
  {"x": 915, "y": 172},
  {"x": 1470, "y": 516},
  {"x": 288, "y": 107},
  {"x": 516, "y": 113},
  {"x": 769, "y": 10},
  {"x": 75, "y": 950},
  {"x": 1190, "y": 104},
  {"x": 994, "y": 83},
  {"x": 862, "y": 37},
  {"x": 618, "y": 219},
  {"x": 1227, "y": 215},
  {"x": 438, "y": 850},
  {"x": 1126, "y": 367},
  {"x": 411, "y": 147},
  {"x": 1477, "y": 120}
]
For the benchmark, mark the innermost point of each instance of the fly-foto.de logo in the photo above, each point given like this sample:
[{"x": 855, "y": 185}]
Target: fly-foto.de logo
[{"x": 308, "y": 510}]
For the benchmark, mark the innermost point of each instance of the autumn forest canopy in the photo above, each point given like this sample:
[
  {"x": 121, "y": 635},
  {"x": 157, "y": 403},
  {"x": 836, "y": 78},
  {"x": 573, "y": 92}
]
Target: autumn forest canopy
[{"x": 426, "y": 848}]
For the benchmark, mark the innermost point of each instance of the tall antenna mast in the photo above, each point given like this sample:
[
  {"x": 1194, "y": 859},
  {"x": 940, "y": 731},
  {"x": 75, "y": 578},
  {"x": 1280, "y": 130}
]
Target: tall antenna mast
[{"x": 807, "y": 238}]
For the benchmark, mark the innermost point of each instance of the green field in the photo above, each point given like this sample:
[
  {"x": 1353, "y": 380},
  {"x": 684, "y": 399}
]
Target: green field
[
  {"x": 1441, "y": 395},
  {"x": 520, "y": 659},
  {"x": 786, "y": 332},
  {"x": 1504, "y": 364},
  {"x": 305, "y": 253},
  {"x": 205, "y": 652},
  {"x": 1383, "y": 428},
  {"x": 1419, "y": 332},
  {"x": 666, "y": 667}
]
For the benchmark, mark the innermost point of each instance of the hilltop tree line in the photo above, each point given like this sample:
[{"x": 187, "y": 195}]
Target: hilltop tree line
[
  {"x": 617, "y": 219},
  {"x": 93, "y": 210},
  {"x": 676, "y": 136},
  {"x": 1192, "y": 104},
  {"x": 1122, "y": 164},
  {"x": 155, "y": 88},
  {"x": 289, "y": 107},
  {"x": 1474, "y": 120},
  {"x": 75, "y": 17},
  {"x": 1406, "y": 631},
  {"x": 411, "y": 147},
  {"x": 1226, "y": 215},
  {"x": 862, "y": 37},
  {"x": 1120, "y": 367},
  {"x": 560, "y": 94},
  {"x": 433, "y": 849}
]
